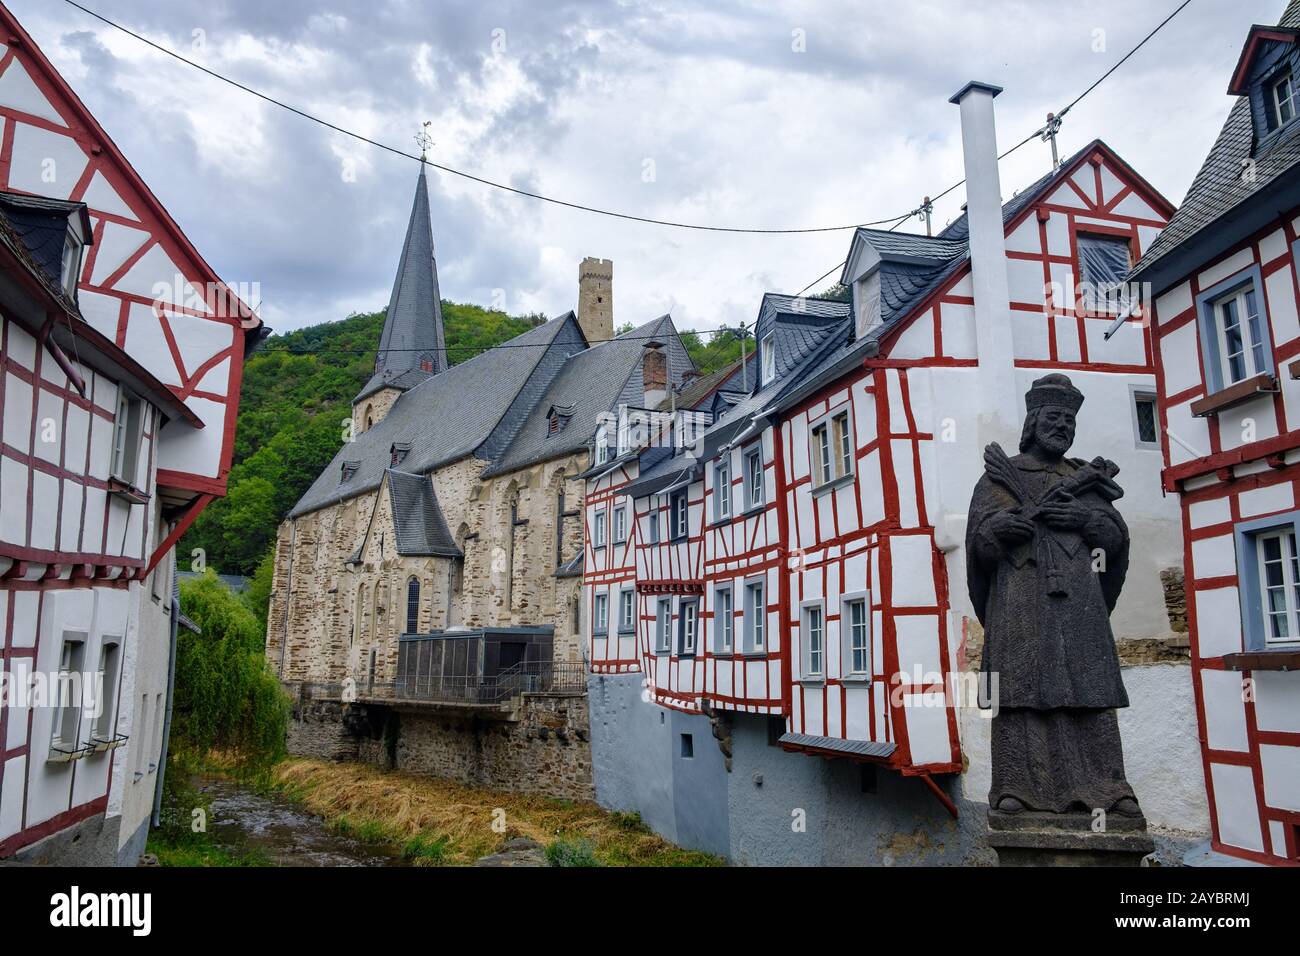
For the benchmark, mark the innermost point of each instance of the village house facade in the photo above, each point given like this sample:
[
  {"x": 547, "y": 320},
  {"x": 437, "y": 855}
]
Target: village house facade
[
  {"x": 1225, "y": 329},
  {"x": 432, "y": 573},
  {"x": 122, "y": 353},
  {"x": 793, "y": 677}
]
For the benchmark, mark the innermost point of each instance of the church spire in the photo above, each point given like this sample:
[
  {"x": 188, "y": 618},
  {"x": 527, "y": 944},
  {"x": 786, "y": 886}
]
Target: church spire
[{"x": 413, "y": 339}]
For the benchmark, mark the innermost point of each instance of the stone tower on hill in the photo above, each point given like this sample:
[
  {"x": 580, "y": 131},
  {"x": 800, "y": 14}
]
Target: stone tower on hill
[{"x": 596, "y": 299}]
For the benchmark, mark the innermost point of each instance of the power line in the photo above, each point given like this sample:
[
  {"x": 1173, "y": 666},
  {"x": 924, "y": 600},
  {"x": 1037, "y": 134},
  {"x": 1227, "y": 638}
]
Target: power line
[
  {"x": 1036, "y": 133},
  {"x": 459, "y": 172}
]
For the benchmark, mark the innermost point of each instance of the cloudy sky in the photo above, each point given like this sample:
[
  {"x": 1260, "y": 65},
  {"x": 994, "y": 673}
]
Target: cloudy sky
[{"x": 762, "y": 114}]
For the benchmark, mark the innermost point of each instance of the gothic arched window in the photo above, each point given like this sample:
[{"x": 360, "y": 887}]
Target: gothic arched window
[
  {"x": 359, "y": 621},
  {"x": 413, "y": 605}
]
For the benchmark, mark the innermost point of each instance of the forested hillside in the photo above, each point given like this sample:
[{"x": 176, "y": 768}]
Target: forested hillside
[{"x": 297, "y": 393}]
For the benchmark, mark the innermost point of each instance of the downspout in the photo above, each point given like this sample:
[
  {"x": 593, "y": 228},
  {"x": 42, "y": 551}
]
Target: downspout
[
  {"x": 171, "y": 696},
  {"x": 783, "y": 581}
]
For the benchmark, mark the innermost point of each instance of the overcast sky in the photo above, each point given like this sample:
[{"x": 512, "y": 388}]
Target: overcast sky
[{"x": 763, "y": 114}]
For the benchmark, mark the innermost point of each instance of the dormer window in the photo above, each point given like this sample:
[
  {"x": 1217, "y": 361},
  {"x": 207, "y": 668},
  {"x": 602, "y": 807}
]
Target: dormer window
[
  {"x": 397, "y": 453},
  {"x": 603, "y": 450},
  {"x": 349, "y": 470},
  {"x": 71, "y": 269},
  {"x": 556, "y": 419},
  {"x": 1282, "y": 100},
  {"x": 768, "y": 348}
]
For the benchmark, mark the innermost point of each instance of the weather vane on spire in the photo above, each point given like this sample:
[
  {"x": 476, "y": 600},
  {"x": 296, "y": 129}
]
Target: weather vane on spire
[{"x": 424, "y": 140}]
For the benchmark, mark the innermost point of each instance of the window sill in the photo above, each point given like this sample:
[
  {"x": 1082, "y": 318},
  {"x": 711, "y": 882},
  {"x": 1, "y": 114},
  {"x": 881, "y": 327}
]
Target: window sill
[
  {"x": 753, "y": 655},
  {"x": 126, "y": 492},
  {"x": 1273, "y": 659},
  {"x": 663, "y": 653},
  {"x": 600, "y": 633},
  {"x": 752, "y": 510},
  {"x": 686, "y": 656},
  {"x": 1294, "y": 369},
  {"x": 630, "y": 632},
  {"x": 1235, "y": 394},
  {"x": 812, "y": 681},
  {"x": 831, "y": 485},
  {"x": 862, "y": 679}
]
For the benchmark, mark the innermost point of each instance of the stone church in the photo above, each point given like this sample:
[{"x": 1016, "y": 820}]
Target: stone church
[{"x": 444, "y": 546}]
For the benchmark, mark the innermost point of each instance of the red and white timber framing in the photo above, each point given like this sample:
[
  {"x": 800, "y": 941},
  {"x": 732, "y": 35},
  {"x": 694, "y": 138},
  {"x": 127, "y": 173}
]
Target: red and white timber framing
[
  {"x": 143, "y": 284},
  {"x": 75, "y": 546},
  {"x": 1236, "y": 465},
  {"x": 893, "y": 533}
]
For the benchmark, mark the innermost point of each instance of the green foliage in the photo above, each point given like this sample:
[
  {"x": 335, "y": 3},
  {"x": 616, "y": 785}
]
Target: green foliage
[
  {"x": 629, "y": 820},
  {"x": 296, "y": 396},
  {"x": 426, "y": 850},
  {"x": 175, "y": 842},
  {"x": 226, "y": 697},
  {"x": 258, "y": 596},
  {"x": 836, "y": 293},
  {"x": 368, "y": 831},
  {"x": 567, "y": 852},
  {"x": 721, "y": 349}
]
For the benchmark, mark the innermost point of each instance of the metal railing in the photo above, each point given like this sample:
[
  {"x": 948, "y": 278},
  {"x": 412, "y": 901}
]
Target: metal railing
[{"x": 534, "y": 677}]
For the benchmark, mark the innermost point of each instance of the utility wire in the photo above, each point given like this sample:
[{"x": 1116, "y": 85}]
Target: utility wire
[
  {"x": 1035, "y": 134},
  {"x": 458, "y": 172}
]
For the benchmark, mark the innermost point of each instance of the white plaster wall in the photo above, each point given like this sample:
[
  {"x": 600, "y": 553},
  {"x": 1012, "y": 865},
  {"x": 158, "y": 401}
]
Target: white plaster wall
[{"x": 1162, "y": 756}]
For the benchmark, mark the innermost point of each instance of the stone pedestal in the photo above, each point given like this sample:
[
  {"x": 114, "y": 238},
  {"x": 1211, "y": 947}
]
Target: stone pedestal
[{"x": 1067, "y": 839}]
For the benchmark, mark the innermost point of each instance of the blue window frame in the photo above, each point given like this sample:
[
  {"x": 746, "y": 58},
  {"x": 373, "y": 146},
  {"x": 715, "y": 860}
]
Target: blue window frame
[
  {"x": 1268, "y": 571},
  {"x": 1235, "y": 343}
]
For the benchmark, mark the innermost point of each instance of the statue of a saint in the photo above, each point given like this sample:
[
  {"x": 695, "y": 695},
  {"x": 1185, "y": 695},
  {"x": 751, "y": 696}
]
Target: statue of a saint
[{"x": 1047, "y": 553}]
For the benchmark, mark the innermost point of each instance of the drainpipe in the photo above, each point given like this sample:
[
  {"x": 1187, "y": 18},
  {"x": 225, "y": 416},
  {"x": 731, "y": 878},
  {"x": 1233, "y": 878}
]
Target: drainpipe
[{"x": 171, "y": 696}]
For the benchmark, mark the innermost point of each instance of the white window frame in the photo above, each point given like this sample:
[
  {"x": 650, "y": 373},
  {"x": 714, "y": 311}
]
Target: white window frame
[
  {"x": 722, "y": 489},
  {"x": 724, "y": 620},
  {"x": 688, "y": 626},
  {"x": 626, "y": 611},
  {"x": 65, "y": 730},
  {"x": 1277, "y": 102},
  {"x": 1251, "y": 364},
  {"x": 812, "y": 640},
  {"x": 620, "y": 524},
  {"x": 70, "y": 265},
  {"x": 754, "y": 491},
  {"x": 600, "y": 614},
  {"x": 756, "y": 616},
  {"x": 663, "y": 625},
  {"x": 679, "y": 529},
  {"x": 831, "y": 447},
  {"x": 128, "y": 432},
  {"x": 598, "y": 529},
  {"x": 1137, "y": 395},
  {"x": 104, "y": 726},
  {"x": 1290, "y": 586},
  {"x": 603, "y": 451},
  {"x": 847, "y": 634},
  {"x": 768, "y": 348}
]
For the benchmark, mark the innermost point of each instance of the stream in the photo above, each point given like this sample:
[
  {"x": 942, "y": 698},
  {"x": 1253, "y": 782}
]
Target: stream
[{"x": 287, "y": 835}]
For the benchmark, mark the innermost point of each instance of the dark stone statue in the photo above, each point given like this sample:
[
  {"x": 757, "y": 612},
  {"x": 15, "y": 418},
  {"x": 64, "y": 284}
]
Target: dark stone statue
[{"x": 1047, "y": 553}]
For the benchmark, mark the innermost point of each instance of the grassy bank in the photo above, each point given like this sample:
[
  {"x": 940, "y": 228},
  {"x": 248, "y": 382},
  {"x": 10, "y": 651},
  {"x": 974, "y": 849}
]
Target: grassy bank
[{"x": 438, "y": 822}]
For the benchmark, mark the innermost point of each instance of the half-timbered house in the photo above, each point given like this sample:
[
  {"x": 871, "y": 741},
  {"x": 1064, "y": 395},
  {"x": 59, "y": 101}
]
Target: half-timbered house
[
  {"x": 1225, "y": 329},
  {"x": 800, "y": 567},
  {"x": 122, "y": 353}
]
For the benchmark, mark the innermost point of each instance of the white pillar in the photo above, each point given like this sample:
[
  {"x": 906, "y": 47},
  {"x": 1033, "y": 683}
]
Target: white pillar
[{"x": 998, "y": 402}]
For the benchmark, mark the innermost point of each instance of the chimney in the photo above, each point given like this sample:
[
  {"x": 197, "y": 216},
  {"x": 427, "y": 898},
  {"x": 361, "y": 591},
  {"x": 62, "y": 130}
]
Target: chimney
[
  {"x": 999, "y": 407},
  {"x": 596, "y": 299},
  {"x": 654, "y": 373}
]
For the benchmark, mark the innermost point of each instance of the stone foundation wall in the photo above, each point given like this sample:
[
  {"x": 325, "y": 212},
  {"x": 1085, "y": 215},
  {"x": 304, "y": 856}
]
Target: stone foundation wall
[
  {"x": 544, "y": 749},
  {"x": 316, "y": 729}
]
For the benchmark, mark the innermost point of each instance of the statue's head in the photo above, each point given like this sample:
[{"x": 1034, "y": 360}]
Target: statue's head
[{"x": 1052, "y": 402}]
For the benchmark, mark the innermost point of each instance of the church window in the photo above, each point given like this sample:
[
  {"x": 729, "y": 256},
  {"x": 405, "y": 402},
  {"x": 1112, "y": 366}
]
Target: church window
[{"x": 413, "y": 605}]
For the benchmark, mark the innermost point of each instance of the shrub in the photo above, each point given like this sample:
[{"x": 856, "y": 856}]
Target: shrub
[{"x": 566, "y": 852}]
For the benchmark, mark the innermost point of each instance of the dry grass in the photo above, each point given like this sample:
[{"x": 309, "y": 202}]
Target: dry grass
[{"x": 405, "y": 806}]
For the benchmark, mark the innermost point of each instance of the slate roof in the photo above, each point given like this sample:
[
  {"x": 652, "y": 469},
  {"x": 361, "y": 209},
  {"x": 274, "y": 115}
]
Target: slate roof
[
  {"x": 418, "y": 522},
  {"x": 591, "y": 383},
  {"x": 413, "y": 327},
  {"x": 445, "y": 418},
  {"x": 42, "y": 226},
  {"x": 1220, "y": 186}
]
